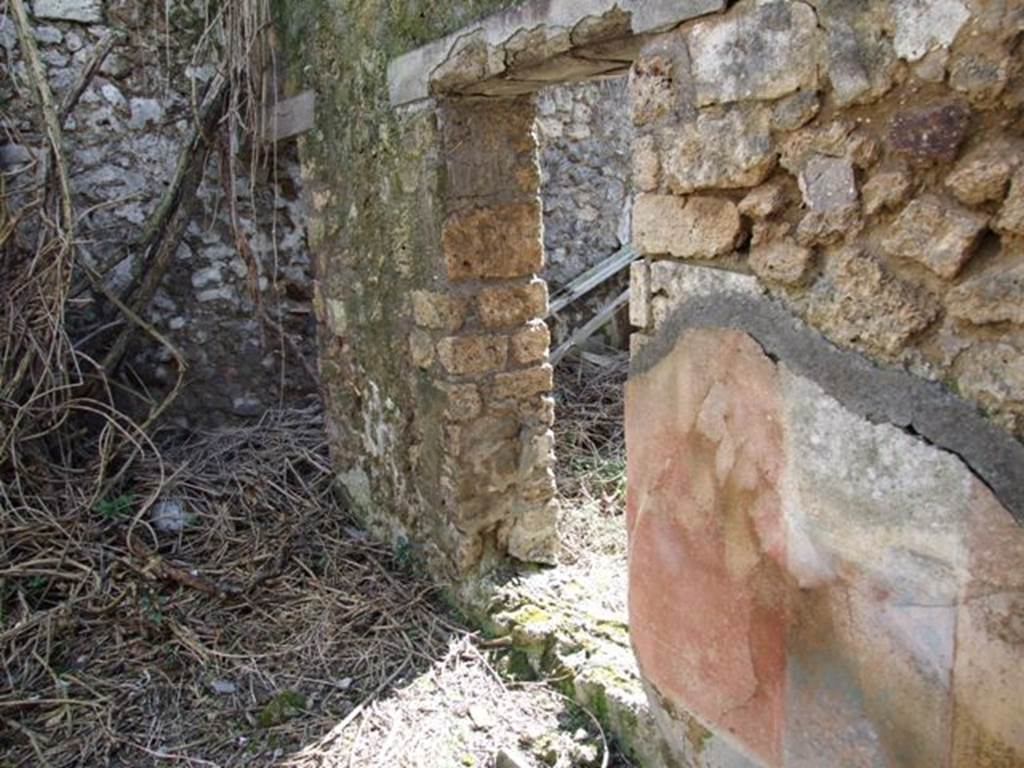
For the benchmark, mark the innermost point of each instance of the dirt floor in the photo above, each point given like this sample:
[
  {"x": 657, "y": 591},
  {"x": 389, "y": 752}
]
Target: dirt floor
[{"x": 258, "y": 626}]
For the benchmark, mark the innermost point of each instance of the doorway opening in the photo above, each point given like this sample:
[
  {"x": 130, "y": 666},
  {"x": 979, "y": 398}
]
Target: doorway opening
[{"x": 584, "y": 136}]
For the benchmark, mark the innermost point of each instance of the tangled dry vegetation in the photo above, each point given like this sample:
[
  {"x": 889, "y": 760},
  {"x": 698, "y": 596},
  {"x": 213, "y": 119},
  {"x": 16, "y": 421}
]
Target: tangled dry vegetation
[
  {"x": 256, "y": 623},
  {"x": 590, "y": 447}
]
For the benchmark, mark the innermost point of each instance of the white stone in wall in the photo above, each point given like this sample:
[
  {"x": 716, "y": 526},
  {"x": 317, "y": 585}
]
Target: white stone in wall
[
  {"x": 8, "y": 34},
  {"x": 924, "y": 25},
  {"x": 759, "y": 52},
  {"x": 47, "y": 35},
  {"x": 85, "y": 11},
  {"x": 145, "y": 112}
]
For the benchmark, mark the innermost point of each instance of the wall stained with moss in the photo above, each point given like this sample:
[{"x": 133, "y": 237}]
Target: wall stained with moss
[{"x": 373, "y": 176}]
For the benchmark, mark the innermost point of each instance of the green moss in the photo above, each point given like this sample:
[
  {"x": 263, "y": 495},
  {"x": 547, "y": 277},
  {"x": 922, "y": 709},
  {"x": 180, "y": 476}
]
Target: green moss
[
  {"x": 283, "y": 707},
  {"x": 529, "y": 615}
]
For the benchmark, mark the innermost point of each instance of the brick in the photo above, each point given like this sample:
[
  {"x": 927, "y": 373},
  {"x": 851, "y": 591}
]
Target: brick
[
  {"x": 496, "y": 241},
  {"x": 511, "y": 306},
  {"x": 464, "y": 355},
  {"x": 532, "y": 344}
]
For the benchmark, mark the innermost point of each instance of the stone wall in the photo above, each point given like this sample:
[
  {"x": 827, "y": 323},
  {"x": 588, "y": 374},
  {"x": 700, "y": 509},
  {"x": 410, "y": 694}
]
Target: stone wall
[
  {"x": 584, "y": 134},
  {"x": 826, "y": 477},
  {"x": 123, "y": 141},
  {"x": 583, "y": 131},
  {"x": 403, "y": 343},
  {"x": 864, "y": 160},
  {"x": 426, "y": 225}
]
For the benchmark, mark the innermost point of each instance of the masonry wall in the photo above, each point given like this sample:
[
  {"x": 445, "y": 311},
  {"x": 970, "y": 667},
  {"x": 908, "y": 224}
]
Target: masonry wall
[
  {"x": 864, "y": 161},
  {"x": 123, "y": 142},
  {"x": 584, "y": 136},
  {"x": 432, "y": 376},
  {"x": 583, "y": 132},
  {"x": 826, "y": 476}
]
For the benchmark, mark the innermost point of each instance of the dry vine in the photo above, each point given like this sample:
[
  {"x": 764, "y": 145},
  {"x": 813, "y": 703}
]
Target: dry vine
[{"x": 79, "y": 473}]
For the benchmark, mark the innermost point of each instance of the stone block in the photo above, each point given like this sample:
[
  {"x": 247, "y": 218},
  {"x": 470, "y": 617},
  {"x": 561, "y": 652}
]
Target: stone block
[
  {"x": 84, "y": 11},
  {"x": 932, "y": 68},
  {"x": 795, "y": 111},
  {"x": 531, "y": 344},
  {"x": 781, "y": 261},
  {"x": 860, "y": 58},
  {"x": 496, "y": 241},
  {"x": 522, "y": 384},
  {"x": 981, "y": 71},
  {"x": 646, "y": 164},
  {"x": 439, "y": 311},
  {"x": 513, "y": 305},
  {"x": 730, "y": 148},
  {"x": 830, "y": 226},
  {"x": 537, "y": 409},
  {"x": 421, "y": 348},
  {"x": 992, "y": 374},
  {"x": 886, "y": 191},
  {"x": 640, "y": 294},
  {"x": 940, "y": 235},
  {"x": 698, "y": 227},
  {"x": 534, "y": 537},
  {"x": 983, "y": 175},
  {"x": 755, "y": 52},
  {"x": 764, "y": 201},
  {"x": 929, "y": 134},
  {"x": 860, "y": 304},
  {"x": 463, "y": 402},
  {"x": 831, "y": 139},
  {"x": 489, "y": 151},
  {"x": 995, "y": 295},
  {"x": 924, "y": 25},
  {"x": 828, "y": 183},
  {"x": 1011, "y": 216},
  {"x": 659, "y": 80},
  {"x": 466, "y": 355}
]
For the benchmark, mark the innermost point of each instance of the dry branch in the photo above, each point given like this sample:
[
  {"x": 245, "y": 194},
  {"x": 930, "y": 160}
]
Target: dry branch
[
  {"x": 103, "y": 49},
  {"x": 167, "y": 224}
]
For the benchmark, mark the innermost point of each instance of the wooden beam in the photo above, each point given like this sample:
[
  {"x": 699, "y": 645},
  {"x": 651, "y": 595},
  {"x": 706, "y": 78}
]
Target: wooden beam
[
  {"x": 593, "y": 277},
  {"x": 604, "y": 314}
]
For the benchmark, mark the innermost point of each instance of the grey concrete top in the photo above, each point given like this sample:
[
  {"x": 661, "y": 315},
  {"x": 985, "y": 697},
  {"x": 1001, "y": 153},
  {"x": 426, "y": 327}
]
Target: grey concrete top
[
  {"x": 879, "y": 393},
  {"x": 542, "y": 29}
]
